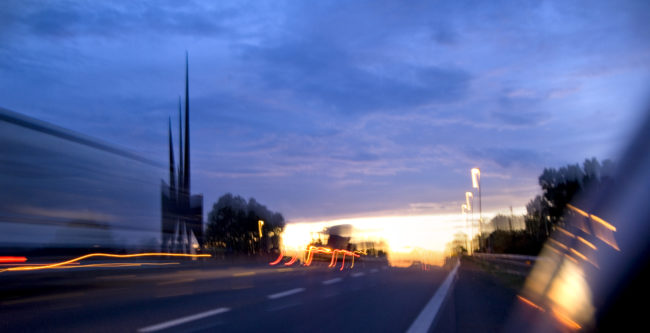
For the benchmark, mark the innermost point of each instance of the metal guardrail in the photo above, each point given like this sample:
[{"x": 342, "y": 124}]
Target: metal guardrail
[
  {"x": 509, "y": 263},
  {"x": 505, "y": 256}
]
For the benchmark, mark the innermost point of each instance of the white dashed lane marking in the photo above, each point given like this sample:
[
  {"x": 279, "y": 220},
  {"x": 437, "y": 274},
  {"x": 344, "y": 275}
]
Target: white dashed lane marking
[
  {"x": 183, "y": 320},
  {"x": 332, "y": 281},
  {"x": 286, "y": 293}
]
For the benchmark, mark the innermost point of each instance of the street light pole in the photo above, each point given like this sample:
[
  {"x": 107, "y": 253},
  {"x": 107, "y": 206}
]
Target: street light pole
[
  {"x": 463, "y": 209},
  {"x": 470, "y": 206},
  {"x": 476, "y": 183}
]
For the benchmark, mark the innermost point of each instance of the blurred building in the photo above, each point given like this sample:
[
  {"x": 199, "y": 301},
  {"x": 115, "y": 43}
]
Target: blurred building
[
  {"x": 62, "y": 192},
  {"x": 182, "y": 212}
]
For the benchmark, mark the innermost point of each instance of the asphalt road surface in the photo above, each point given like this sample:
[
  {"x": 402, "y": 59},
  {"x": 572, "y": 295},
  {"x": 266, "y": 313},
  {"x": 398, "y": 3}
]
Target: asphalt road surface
[{"x": 204, "y": 297}]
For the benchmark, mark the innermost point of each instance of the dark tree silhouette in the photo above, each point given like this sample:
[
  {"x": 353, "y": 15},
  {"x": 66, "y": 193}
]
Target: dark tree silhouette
[
  {"x": 560, "y": 187},
  {"x": 233, "y": 226},
  {"x": 546, "y": 211}
]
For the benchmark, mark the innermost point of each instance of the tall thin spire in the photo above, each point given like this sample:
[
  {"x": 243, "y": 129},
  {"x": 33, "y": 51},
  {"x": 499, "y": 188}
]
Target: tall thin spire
[
  {"x": 186, "y": 168},
  {"x": 180, "y": 146},
  {"x": 172, "y": 176}
]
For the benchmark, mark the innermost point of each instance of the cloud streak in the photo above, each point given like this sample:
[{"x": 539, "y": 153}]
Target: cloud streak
[{"x": 339, "y": 107}]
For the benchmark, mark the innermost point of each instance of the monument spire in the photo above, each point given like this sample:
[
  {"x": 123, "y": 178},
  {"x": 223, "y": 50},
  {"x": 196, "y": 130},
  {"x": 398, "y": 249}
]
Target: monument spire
[
  {"x": 172, "y": 175},
  {"x": 186, "y": 168},
  {"x": 180, "y": 146}
]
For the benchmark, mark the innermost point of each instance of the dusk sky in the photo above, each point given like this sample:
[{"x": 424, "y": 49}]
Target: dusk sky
[{"x": 323, "y": 109}]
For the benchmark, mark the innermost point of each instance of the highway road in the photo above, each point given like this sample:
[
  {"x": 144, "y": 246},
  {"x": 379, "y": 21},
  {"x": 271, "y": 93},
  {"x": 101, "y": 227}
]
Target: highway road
[{"x": 201, "y": 296}]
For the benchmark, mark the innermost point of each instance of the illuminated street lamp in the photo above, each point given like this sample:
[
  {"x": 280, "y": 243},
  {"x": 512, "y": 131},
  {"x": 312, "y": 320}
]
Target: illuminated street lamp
[
  {"x": 470, "y": 205},
  {"x": 260, "y": 223},
  {"x": 476, "y": 183},
  {"x": 476, "y": 177}
]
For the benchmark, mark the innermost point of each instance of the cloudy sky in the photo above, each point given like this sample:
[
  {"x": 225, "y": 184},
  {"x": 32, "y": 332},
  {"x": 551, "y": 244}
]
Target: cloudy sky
[{"x": 325, "y": 109}]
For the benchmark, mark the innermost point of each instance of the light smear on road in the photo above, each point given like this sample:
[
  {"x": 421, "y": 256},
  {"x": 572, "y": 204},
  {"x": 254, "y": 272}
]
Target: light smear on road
[
  {"x": 183, "y": 320},
  {"x": 332, "y": 281},
  {"x": 286, "y": 293},
  {"x": 105, "y": 255},
  {"x": 164, "y": 283}
]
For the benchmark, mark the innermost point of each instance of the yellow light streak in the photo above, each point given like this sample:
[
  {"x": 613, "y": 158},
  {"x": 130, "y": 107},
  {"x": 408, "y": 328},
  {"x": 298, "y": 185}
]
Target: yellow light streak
[
  {"x": 603, "y": 222},
  {"x": 592, "y": 216},
  {"x": 586, "y": 242},
  {"x": 558, "y": 244},
  {"x": 577, "y": 210},
  {"x": 90, "y": 255},
  {"x": 582, "y": 256},
  {"x": 566, "y": 232},
  {"x": 126, "y": 264},
  {"x": 260, "y": 224}
]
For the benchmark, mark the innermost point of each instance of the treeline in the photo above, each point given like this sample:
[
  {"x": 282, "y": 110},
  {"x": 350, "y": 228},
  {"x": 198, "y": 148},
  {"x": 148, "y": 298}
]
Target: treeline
[
  {"x": 233, "y": 226},
  {"x": 546, "y": 211}
]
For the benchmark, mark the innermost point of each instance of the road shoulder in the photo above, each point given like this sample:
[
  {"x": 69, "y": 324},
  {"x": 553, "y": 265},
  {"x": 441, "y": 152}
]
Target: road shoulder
[{"x": 480, "y": 302}]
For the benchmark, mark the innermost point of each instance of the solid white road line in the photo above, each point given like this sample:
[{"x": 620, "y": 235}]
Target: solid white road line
[
  {"x": 251, "y": 273},
  {"x": 286, "y": 293},
  {"x": 424, "y": 320},
  {"x": 358, "y": 274},
  {"x": 183, "y": 320},
  {"x": 331, "y": 281}
]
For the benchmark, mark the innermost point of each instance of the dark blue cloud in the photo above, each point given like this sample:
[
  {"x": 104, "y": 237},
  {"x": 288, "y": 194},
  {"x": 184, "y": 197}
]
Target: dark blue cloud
[
  {"x": 509, "y": 157},
  {"x": 520, "y": 111},
  {"x": 315, "y": 105},
  {"x": 321, "y": 72},
  {"x": 69, "y": 19}
]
